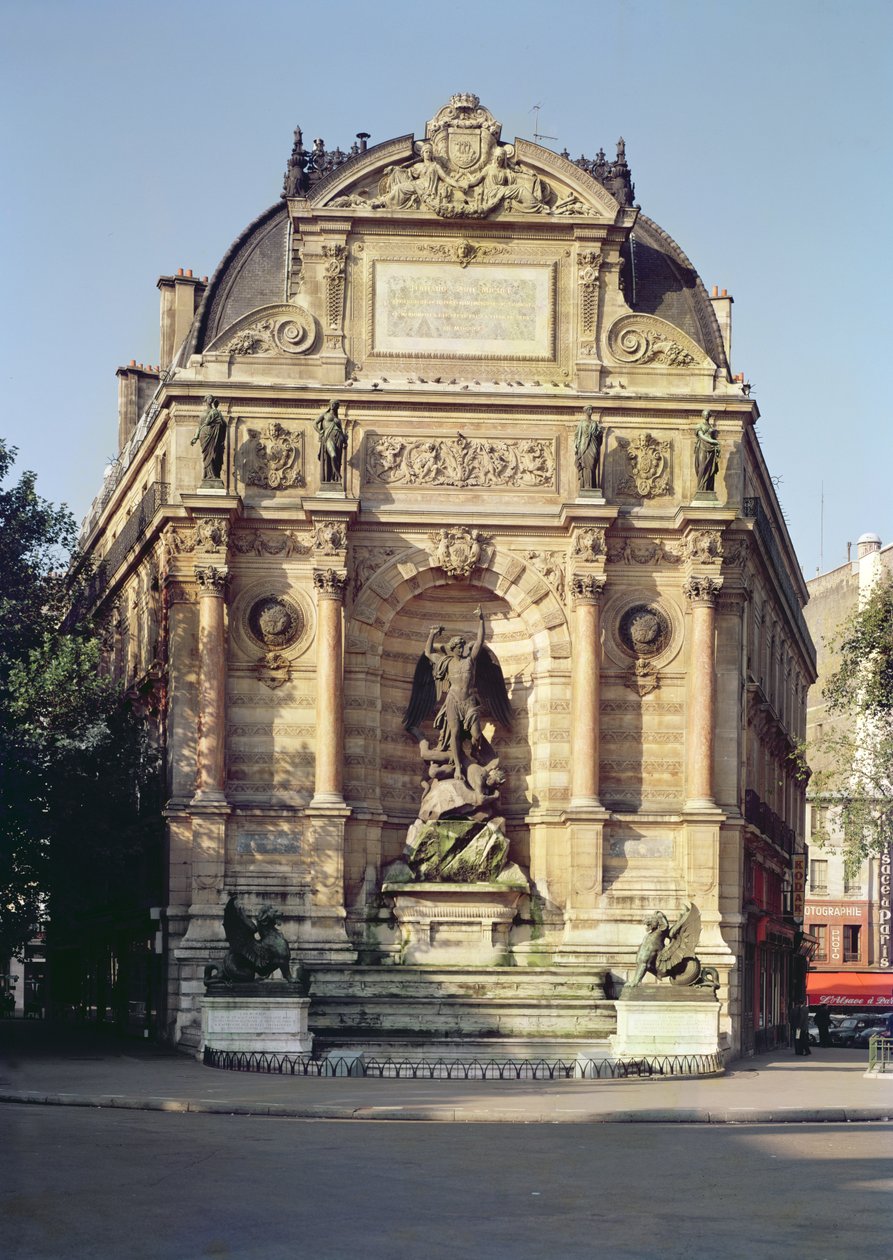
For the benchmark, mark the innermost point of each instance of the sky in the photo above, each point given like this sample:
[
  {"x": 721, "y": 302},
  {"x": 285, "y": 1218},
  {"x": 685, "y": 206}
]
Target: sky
[{"x": 138, "y": 138}]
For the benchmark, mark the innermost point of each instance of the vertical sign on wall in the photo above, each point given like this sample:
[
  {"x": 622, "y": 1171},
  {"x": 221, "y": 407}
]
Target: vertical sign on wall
[
  {"x": 884, "y": 910},
  {"x": 799, "y": 878}
]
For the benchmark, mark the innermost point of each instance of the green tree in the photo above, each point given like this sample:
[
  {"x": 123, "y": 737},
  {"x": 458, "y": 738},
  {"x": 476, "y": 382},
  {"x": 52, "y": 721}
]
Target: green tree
[
  {"x": 78, "y": 794},
  {"x": 852, "y": 757}
]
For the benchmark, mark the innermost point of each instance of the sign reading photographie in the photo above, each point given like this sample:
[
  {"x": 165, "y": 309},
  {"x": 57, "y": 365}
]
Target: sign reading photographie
[{"x": 438, "y": 309}]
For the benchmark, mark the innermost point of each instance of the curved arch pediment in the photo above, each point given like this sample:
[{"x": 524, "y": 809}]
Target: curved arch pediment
[
  {"x": 462, "y": 170},
  {"x": 280, "y": 329}
]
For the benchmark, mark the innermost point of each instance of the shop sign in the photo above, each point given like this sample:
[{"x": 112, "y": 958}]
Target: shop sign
[{"x": 884, "y": 910}]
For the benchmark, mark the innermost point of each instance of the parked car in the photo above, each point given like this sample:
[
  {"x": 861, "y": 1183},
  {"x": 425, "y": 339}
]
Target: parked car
[
  {"x": 864, "y": 1035},
  {"x": 814, "y": 1035},
  {"x": 845, "y": 1033}
]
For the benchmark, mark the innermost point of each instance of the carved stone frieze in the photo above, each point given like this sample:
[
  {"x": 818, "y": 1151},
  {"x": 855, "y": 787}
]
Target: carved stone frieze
[
  {"x": 644, "y": 551},
  {"x": 462, "y": 171},
  {"x": 649, "y": 466},
  {"x": 644, "y": 631},
  {"x": 551, "y": 566},
  {"x": 365, "y": 562},
  {"x": 457, "y": 551},
  {"x": 329, "y": 583},
  {"x": 645, "y": 339},
  {"x": 273, "y": 458},
  {"x": 329, "y": 538},
  {"x": 460, "y": 462},
  {"x": 285, "y": 543},
  {"x": 589, "y": 543},
  {"x": 586, "y": 588},
  {"x": 212, "y": 534},
  {"x": 179, "y": 541},
  {"x": 211, "y": 580},
  {"x": 704, "y": 546},
  {"x": 701, "y": 589}
]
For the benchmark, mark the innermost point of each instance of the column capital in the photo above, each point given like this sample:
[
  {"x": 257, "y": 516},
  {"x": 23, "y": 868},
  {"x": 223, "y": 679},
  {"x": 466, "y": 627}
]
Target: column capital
[
  {"x": 329, "y": 584},
  {"x": 702, "y": 590},
  {"x": 587, "y": 588},
  {"x": 211, "y": 580}
]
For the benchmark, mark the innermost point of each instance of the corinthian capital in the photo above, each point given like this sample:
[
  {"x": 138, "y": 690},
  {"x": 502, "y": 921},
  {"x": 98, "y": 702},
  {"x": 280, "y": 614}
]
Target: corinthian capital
[
  {"x": 329, "y": 584},
  {"x": 701, "y": 590},
  {"x": 586, "y": 588},
  {"x": 211, "y": 579}
]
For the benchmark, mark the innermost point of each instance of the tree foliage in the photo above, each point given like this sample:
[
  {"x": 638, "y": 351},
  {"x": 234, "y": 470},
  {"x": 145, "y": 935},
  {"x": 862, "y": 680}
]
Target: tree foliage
[
  {"x": 78, "y": 781},
  {"x": 853, "y": 754}
]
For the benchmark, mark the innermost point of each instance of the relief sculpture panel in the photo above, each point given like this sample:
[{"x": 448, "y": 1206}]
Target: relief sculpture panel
[{"x": 461, "y": 462}]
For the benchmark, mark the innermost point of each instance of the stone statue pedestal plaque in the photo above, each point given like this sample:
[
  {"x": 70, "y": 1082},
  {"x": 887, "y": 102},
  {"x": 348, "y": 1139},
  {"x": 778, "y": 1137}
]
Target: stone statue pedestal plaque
[
  {"x": 663, "y": 1020},
  {"x": 254, "y": 1018},
  {"x": 446, "y": 923}
]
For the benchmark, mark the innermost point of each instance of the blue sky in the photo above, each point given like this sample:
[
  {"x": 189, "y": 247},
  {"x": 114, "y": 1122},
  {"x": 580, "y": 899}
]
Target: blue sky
[{"x": 138, "y": 138}]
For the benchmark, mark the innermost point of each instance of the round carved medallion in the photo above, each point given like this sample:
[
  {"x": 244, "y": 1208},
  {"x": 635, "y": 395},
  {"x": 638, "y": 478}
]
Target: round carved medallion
[
  {"x": 644, "y": 630},
  {"x": 274, "y": 622}
]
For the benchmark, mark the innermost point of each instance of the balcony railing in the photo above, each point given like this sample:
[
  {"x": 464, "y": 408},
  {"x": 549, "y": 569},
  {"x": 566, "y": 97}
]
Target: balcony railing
[
  {"x": 134, "y": 527},
  {"x": 753, "y": 508},
  {"x": 765, "y": 819}
]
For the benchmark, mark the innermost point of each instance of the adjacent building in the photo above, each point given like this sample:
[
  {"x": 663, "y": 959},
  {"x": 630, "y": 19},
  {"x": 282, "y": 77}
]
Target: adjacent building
[
  {"x": 847, "y": 911},
  {"x": 463, "y": 300}
]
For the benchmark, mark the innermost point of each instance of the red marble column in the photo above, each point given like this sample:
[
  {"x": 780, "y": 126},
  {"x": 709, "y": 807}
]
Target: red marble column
[
  {"x": 585, "y": 681},
  {"x": 701, "y": 728},
  {"x": 329, "y": 780},
  {"x": 211, "y": 748}
]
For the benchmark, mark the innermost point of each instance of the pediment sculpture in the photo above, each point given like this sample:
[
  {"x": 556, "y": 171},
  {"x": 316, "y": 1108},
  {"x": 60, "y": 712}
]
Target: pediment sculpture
[{"x": 462, "y": 171}]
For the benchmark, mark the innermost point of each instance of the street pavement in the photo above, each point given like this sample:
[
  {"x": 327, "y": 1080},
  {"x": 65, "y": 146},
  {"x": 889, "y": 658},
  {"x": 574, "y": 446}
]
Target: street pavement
[{"x": 85, "y": 1067}]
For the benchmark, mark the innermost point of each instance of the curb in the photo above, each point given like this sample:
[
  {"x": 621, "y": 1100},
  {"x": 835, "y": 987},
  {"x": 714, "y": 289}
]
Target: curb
[{"x": 464, "y": 1115}]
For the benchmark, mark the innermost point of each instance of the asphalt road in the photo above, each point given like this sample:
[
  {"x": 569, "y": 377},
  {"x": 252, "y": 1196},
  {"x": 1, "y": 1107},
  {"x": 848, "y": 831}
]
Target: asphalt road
[{"x": 147, "y": 1186}]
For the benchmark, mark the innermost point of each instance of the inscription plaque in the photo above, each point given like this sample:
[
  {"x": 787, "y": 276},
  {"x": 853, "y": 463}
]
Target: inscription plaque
[{"x": 435, "y": 308}]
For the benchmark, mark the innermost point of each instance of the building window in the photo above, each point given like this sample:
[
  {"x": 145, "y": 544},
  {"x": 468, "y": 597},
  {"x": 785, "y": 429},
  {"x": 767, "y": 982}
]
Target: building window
[
  {"x": 851, "y": 933},
  {"x": 820, "y": 932},
  {"x": 818, "y": 820},
  {"x": 852, "y": 884},
  {"x": 818, "y": 875}
]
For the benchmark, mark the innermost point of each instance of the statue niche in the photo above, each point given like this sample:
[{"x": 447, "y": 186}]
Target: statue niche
[{"x": 458, "y": 835}]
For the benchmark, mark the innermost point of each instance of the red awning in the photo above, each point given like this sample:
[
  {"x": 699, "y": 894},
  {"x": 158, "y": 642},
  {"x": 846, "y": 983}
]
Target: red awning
[{"x": 849, "y": 988}]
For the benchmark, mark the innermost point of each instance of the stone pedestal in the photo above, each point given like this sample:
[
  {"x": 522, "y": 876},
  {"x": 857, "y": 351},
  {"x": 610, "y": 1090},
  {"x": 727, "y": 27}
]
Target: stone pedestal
[
  {"x": 445, "y": 924},
  {"x": 661, "y": 1020},
  {"x": 254, "y": 1018}
]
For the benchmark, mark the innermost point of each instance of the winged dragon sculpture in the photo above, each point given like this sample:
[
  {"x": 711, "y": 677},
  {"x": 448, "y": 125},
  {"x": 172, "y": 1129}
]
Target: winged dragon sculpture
[
  {"x": 256, "y": 947},
  {"x": 668, "y": 953}
]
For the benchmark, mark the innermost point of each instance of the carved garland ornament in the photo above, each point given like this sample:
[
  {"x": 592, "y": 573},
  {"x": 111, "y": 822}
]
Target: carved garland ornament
[
  {"x": 330, "y": 538},
  {"x": 212, "y": 534},
  {"x": 587, "y": 276},
  {"x": 285, "y": 543},
  {"x": 589, "y": 543},
  {"x": 460, "y": 462},
  {"x": 334, "y": 270},
  {"x": 650, "y": 464},
  {"x": 644, "y": 551},
  {"x": 705, "y": 546},
  {"x": 273, "y": 458}
]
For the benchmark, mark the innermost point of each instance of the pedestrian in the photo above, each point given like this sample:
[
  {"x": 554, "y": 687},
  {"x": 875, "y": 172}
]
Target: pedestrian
[
  {"x": 803, "y": 1046},
  {"x": 823, "y": 1024}
]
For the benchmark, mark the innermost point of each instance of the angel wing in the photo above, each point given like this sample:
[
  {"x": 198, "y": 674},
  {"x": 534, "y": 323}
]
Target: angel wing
[
  {"x": 239, "y": 929},
  {"x": 491, "y": 687},
  {"x": 423, "y": 696},
  {"x": 682, "y": 940}
]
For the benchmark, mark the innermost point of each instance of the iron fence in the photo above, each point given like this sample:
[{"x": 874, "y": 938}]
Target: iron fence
[
  {"x": 880, "y": 1053},
  {"x": 464, "y": 1069}
]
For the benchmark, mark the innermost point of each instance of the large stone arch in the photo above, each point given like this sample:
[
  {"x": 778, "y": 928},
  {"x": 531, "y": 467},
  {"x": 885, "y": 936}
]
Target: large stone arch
[{"x": 385, "y": 634}]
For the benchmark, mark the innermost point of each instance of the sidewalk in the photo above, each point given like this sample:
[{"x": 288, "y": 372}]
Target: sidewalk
[{"x": 84, "y": 1067}]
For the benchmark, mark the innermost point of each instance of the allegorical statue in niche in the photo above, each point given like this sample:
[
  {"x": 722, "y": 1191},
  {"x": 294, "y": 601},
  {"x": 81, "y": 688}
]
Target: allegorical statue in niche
[
  {"x": 706, "y": 454},
  {"x": 463, "y": 678},
  {"x": 668, "y": 953},
  {"x": 211, "y": 437},
  {"x": 588, "y": 450},
  {"x": 256, "y": 947},
  {"x": 332, "y": 439}
]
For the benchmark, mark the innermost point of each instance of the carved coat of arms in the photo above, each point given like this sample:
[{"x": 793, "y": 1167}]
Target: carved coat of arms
[{"x": 457, "y": 551}]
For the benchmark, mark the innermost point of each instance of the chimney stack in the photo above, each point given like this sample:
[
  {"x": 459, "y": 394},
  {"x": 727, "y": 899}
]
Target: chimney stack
[
  {"x": 722, "y": 306},
  {"x": 181, "y": 296},
  {"x": 136, "y": 385}
]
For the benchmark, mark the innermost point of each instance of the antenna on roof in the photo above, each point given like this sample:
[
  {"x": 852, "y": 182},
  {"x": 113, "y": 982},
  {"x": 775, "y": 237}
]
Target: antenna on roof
[
  {"x": 537, "y": 134},
  {"x": 822, "y": 527}
]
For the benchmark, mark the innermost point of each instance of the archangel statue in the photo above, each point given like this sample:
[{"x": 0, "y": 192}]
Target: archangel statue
[
  {"x": 256, "y": 947},
  {"x": 668, "y": 953},
  {"x": 458, "y": 834},
  {"x": 463, "y": 679}
]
